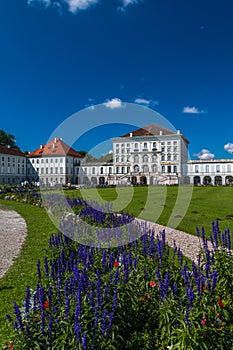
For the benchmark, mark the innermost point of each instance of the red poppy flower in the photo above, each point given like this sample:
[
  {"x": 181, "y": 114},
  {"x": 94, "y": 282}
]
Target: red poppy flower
[
  {"x": 116, "y": 263},
  {"x": 46, "y": 304},
  {"x": 203, "y": 321},
  {"x": 153, "y": 284},
  {"x": 148, "y": 296},
  {"x": 221, "y": 303},
  {"x": 204, "y": 288}
]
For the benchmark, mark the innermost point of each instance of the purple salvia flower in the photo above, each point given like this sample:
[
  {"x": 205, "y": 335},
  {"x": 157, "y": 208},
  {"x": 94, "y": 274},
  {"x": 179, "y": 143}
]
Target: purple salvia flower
[
  {"x": 52, "y": 272},
  {"x": 104, "y": 259},
  {"x": 42, "y": 328},
  {"x": 8, "y": 317},
  {"x": 114, "y": 306},
  {"x": 174, "y": 288},
  {"x": 130, "y": 261},
  {"x": 50, "y": 325},
  {"x": 77, "y": 330},
  {"x": 180, "y": 256},
  {"x": 159, "y": 250},
  {"x": 18, "y": 315},
  {"x": 111, "y": 261},
  {"x": 111, "y": 316},
  {"x": 84, "y": 341},
  {"x": 190, "y": 295},
  {"x": 214, "y": 277},
  {"x": 166, "y": 285},
  {"x": 103, "y": 322},
  {"x": 116, "y": 280},
  {"x": 67, "y": 306}
]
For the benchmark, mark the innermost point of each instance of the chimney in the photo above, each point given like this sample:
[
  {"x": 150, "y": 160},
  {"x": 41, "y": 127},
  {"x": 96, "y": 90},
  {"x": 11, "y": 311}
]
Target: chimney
[
  {"x": 53, "y": 145},
  {"x": 41, "y": 146},
  {"x": 160, "y": 132},
  {"x": 131, "y": 134},
  {"x": 178, "y": 132},
  {"x": 55, "y": 140}
]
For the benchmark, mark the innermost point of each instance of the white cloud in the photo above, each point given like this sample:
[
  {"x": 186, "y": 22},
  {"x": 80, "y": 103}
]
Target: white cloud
[
  {"x": 229, "y": 147},
  {"x": 77, "y": 5},
  {"x": 73, "y": 5},
  {"x": 45, "y": 2},
  {"x": 145, "y": 102},
  {"x": 128, "y": 2},
  {"x": 204, "y": 154},
  {"x": 110, "y": 151},
  {"x": 113, "y": 103},
  {"x": 142, "y": 101},
  {"x": 193, "y": 110}
]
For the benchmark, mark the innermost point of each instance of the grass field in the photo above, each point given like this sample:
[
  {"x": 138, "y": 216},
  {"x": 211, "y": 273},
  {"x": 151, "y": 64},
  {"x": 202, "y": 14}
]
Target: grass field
[
  {"x": 153, "y": 203},
  {"x": 23, "y": 271},
  {"x": 157, "y": 204}
]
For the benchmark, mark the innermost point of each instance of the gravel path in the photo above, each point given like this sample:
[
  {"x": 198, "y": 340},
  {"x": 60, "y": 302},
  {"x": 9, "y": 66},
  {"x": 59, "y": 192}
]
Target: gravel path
[
  {"x": 190, "y": 245},
  {"x": 13, "y": 231}
]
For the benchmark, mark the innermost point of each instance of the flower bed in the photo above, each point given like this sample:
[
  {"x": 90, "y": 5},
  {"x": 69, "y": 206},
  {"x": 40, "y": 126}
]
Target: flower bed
[{"x": 142, "y": 295}]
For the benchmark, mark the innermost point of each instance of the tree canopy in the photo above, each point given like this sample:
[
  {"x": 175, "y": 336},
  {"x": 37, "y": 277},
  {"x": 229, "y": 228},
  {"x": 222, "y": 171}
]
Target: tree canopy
[{"x": 7, "y": 139}]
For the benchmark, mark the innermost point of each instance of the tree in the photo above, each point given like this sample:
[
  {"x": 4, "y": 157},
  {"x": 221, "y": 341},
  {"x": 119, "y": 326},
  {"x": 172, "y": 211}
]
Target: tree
[{"x": 6, "y": 139}]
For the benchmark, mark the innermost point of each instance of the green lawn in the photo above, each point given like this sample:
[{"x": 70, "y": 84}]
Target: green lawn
[
  {"x": 157, "y": 204},
  {"x": 23, "y": 271}
]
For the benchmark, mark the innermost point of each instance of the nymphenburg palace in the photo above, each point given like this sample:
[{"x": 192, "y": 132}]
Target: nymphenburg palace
[{"x": 151, "y": 155}]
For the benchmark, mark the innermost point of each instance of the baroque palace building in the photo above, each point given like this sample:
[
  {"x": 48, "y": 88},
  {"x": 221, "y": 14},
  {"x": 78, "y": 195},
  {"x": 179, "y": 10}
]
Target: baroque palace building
[{"x": 150, "y": 155}]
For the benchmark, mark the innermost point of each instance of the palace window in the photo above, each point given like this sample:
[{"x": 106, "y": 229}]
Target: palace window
[
  {"x": 136, "y": 159},
  {"x": 145, "y": 158}
]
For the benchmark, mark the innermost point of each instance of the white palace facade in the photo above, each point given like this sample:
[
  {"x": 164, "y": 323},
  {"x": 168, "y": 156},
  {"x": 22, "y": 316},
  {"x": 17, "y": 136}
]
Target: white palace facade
[{"x": 151, "y": 155}]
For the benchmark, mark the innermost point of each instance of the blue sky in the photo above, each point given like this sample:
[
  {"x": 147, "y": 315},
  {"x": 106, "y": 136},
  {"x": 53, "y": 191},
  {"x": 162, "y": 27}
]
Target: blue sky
[{"x": 175, "y": 56}]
